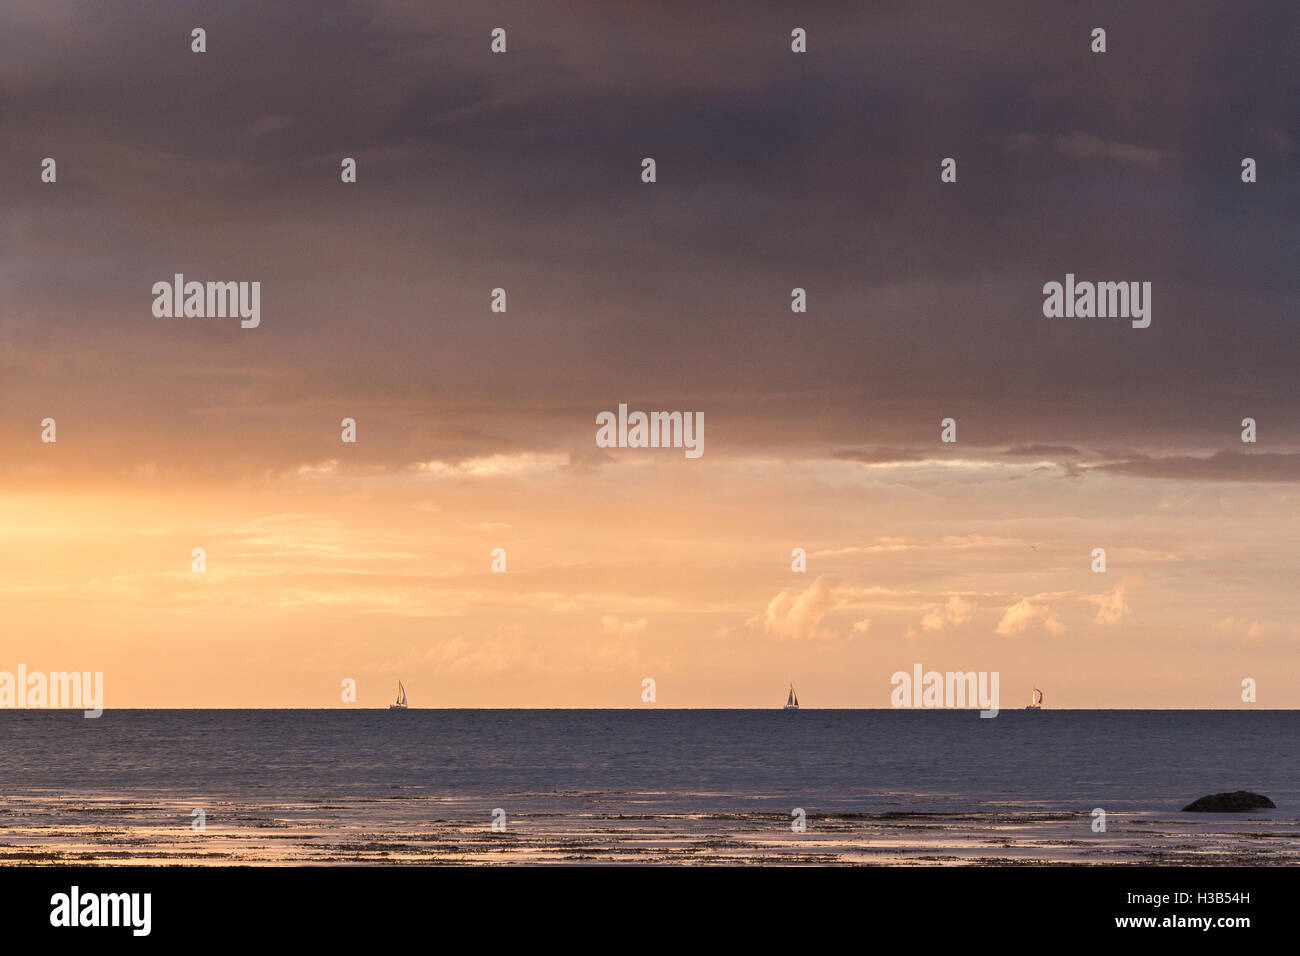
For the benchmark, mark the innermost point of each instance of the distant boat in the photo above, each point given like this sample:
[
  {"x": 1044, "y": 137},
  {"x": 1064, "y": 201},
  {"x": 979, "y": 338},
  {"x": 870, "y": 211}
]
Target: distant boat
[
  {"x": 792, "y": 702},
  {"x": 401, "y": 698},
  {"x": 1036, "y": 701}
]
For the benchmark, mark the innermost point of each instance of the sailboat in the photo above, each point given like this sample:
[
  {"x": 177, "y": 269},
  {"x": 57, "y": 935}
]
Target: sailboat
[
  {"x": 401, "y": 698},
  {"x": 1036, "y": 701},
  {"x": 792, "y": 702}
]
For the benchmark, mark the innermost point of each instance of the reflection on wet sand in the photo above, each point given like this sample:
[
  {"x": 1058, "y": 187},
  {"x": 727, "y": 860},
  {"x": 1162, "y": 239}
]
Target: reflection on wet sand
[{"x": 604, "y": 828}]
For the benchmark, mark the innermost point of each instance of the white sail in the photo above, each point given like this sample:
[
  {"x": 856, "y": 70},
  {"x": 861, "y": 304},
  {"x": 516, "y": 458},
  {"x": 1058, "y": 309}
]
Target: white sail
[{"x": 401, "y": 698}]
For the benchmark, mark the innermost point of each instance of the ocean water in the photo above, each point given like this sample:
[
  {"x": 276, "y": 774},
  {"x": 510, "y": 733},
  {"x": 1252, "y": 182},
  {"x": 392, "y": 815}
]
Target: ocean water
[{"x": 283, "y": 786}]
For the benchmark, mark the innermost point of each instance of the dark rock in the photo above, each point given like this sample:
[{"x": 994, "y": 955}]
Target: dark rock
[{"x": 1237, "y": 802}]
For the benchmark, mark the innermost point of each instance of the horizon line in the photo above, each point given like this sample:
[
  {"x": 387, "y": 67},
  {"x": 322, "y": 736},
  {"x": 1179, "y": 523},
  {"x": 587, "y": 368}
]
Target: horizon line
[{"x": 774, "y": 709}]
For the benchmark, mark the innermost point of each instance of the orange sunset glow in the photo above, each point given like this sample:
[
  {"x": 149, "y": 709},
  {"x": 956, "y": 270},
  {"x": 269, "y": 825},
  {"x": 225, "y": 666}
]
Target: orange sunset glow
[{"x": 327, "y": 560}]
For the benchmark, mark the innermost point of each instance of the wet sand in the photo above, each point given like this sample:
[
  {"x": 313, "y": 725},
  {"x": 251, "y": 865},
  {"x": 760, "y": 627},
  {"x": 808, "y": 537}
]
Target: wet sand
[{"x": 588, "y": 828}]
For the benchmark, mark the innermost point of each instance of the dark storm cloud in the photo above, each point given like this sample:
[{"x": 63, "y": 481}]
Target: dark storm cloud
[
  {"x": 1221, "y": 466},
  {"x": 877, "y": 456},
  {"x": 775, "y": 171}
]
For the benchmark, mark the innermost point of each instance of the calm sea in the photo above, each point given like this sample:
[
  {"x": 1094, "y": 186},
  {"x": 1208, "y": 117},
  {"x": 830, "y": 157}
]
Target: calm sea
[{"x": 828, "y": 760}]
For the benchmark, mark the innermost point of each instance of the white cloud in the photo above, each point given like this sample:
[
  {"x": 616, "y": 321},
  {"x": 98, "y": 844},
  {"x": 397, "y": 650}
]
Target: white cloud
[
  {"x": 1022, "y": 615},
  {"x": 1088, "y": 146},
  {"x": 956, "y": 611},
  {"x": 1111, "y": 607},
  {"x": 623, "y": 628},
  {"x": 797, "y": 614},
  {"x": 1244, "y": 627},
  {"x": 493, "y": 466}
]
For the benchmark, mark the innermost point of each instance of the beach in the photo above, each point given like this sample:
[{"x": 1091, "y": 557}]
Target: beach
[{"x": 878, "y": 787}]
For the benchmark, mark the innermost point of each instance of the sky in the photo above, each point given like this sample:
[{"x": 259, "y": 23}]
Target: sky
[{"x": 371, "y": 561}]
